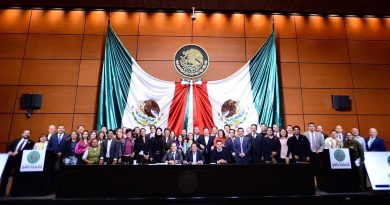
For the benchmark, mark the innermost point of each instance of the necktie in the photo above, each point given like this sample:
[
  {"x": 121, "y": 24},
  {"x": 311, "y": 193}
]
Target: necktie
[
  {"x": 370, "y": 142},
  {"x": 174, "y": 156},
  {"x": 21, "y": 145},
  {"x": 242, "y": 151},
  {"x": 254, "y": 136},
  {"x": 59, "y": 138},
  {"x": 313, "y": 142}
]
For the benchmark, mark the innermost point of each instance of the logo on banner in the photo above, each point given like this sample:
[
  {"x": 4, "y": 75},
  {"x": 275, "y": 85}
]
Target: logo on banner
[
  {"x": 191, "y": 61},
  {"x": 388, "y": 160},
  {"x": 339, "y": 155},
  {"x": 147, "y": 113},
  {"x": 339, "y": 159},
  {"x": 232, "y": 113},
  {"x": 33, "y": 160}
]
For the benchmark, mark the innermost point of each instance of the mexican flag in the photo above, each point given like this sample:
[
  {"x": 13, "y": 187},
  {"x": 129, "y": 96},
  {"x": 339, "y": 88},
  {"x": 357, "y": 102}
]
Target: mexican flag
[{"x": 130, "y": 97}]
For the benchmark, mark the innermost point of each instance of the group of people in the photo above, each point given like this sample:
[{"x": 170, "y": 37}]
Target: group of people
[{"x": 211, "y": 146}]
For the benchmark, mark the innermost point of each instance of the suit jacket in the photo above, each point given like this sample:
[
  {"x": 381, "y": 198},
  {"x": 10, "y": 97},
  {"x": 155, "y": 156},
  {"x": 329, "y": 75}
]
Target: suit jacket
[
  {"x": 199, "y": 156},
  {"x": 377, "y": 146},
  {"x": 13, "y": 146},
  {"x": 56, "y": 146},
  {"x": 114, "y": 149},
  {"x": 229, "y": 145},
  {"x": 68, "y": 148},
  {"x": 246, "y": 146},
  {"x": 202, "y": 141},
  {"x": 255, "y": 144},
  {"x": 167, "y": 144},
  {"x": 299, "y": 147},
  {"x": 319, "y": 140},
  {"x": 169, "y": 156}
]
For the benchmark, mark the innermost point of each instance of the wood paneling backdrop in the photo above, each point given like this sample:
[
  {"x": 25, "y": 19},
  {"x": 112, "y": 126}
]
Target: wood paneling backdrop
[{"x": 59, "y": 54}]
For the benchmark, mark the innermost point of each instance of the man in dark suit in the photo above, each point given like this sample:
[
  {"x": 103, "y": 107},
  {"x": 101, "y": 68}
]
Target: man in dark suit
[
  {"x": 51, "y": 131},
  {"x": 57, "y": 140},
  {"x": 299, "y": 146},
  {"x": 173, "y": 156},
  {"x": 109, "y": 151},
  {"x": 375, "y": 143},
  {"x": 339, "y": 131},
  {"x": 242, "y": 148},
  {"x": 320, "y": 130},
  {"x": 15, "y": 152},
  {"x": 220, "y": 155},
  {"x": 256, "y": 140},
  {"x": 229, "y": 145},
  {"x": 205, "y": 143},
  {"x": 167, "y": 139},
  {"x": 152, "y": 132},
  {"x": 194, "y": 156},
  {"x": 196, "y": 134}
]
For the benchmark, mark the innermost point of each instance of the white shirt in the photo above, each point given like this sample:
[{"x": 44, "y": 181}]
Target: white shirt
[
  {"x": 194, "y": 157},
  {"x": 370, "y": 141},
  {"x": 361, "y": 141},
  {"x": 206, "y": 139},
  {"x": 108, "y": 148},
  {"x": 331, "y": 143},
  {"x": 20, "y": 142}
]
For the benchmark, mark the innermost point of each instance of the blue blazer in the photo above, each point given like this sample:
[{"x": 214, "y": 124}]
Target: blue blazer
[
  {"x": 53, "y": 144},
  {"x": 378, "y": 145},
  {"x": 199, "y": 156},
  {"x": 246, "y": 146}
]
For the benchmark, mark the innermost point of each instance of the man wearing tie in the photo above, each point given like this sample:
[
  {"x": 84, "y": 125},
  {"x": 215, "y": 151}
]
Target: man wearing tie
[
  {"x": 275, "y": 128},
  {"x": 229, "y": 145},
  {"x": 173, "y": 156},
  {"x": 196, "y": 134},
  {"x": 339, "y": 132},
  {"x": 375, "y": 143},
  {"x": 194, "y": 156},
  {"x": 242, "y": 147},
  {"x": 317, "y": 142},
  {"x": 204, "y": 143},
  {"x": 256, "y": 140},
  {"x": 15, "y": 152},
  {"x": 57, "y": 140}
]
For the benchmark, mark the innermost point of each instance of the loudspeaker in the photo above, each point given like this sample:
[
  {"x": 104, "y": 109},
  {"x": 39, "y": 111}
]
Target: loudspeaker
[
  {"x": 31, "y": 101},
  {"x": 341, "y": 102}
]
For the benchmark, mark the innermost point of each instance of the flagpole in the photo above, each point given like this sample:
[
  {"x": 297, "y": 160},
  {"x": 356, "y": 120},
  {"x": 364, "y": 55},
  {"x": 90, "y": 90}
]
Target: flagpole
[{"x": 109, "y": 19}]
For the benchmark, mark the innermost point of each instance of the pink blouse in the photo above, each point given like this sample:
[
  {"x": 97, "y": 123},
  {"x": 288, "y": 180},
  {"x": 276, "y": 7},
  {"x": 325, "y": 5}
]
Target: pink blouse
[{"x": 81, "y": 146}]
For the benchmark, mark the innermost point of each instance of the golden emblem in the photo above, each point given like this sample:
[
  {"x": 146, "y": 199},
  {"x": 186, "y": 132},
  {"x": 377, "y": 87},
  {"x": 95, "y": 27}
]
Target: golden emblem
[{"x": 191, "y": 61}]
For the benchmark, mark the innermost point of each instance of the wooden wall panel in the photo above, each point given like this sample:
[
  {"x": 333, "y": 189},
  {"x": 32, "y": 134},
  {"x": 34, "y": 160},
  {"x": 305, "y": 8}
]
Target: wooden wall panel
[
  {"x": 165, "y": 24},
  {"x": 96, "y": 22},
  {"x": 7, "y": 98},
  {"x": 50, "y": 72},
  {"x": 87, "y": 100},
  {"x": 294, "y": 120},
  {"x": 14, "y": 20},
  {"x": 90, "y": 71},
  {"x": 38, "y": 124},
  {"x": 292, "y": 101},
  {"x": 315, "y": 75},
  {"x": 371, "y": 76},
  {"x": 10, "y": 70},
  {"x": 317, "y": 27},
  {"x": 93, "y": 47},
  {"x": 380, "y": 122},
  {"x": 218, "y": 24},
  {"x": 258, "y": 25},
  {"x": 286, "y": 49},
  {"x": 88, "y": 120},
  {"x": 374, "y": 52},
  {"x": 367, "y": 28},
  {"x": 222, "y": 49},
  {"x": 289, "y": 75},
  {"x": 131, "y": 43},
  {"x": 57, "y": 22},
  {"x": 54, "y": 46},
  {"x": 329, "y": 122},
  {"x": 372, "y": 101},
  {"x": 162, "y": 48},
  {"x": 3, "y": 147},
  {"x": 163, "y": 70},
  {"x": 319, "y": 101},
  {"x": 125, "y": 23},
  {"x": 12, "y": 45},
  {"x": 323, "y": 51},
  {"x": 5, "y": 125},
  {"x": 55, "y": 99}
]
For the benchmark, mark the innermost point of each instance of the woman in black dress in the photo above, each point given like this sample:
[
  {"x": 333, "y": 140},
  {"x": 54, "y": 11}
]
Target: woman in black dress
[
  {"x": 141, "y": 147},
  {"x": 157, "y": 147}
]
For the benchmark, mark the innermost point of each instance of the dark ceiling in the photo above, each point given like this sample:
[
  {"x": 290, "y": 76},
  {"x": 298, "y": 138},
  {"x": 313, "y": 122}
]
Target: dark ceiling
[{"x": 341, "y": 7}]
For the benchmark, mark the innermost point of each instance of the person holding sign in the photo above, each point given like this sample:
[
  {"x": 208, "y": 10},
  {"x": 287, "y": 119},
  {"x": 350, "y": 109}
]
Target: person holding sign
[
  {"x": 333, "y": 142},
  {"x": 15, "y": 152}
]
